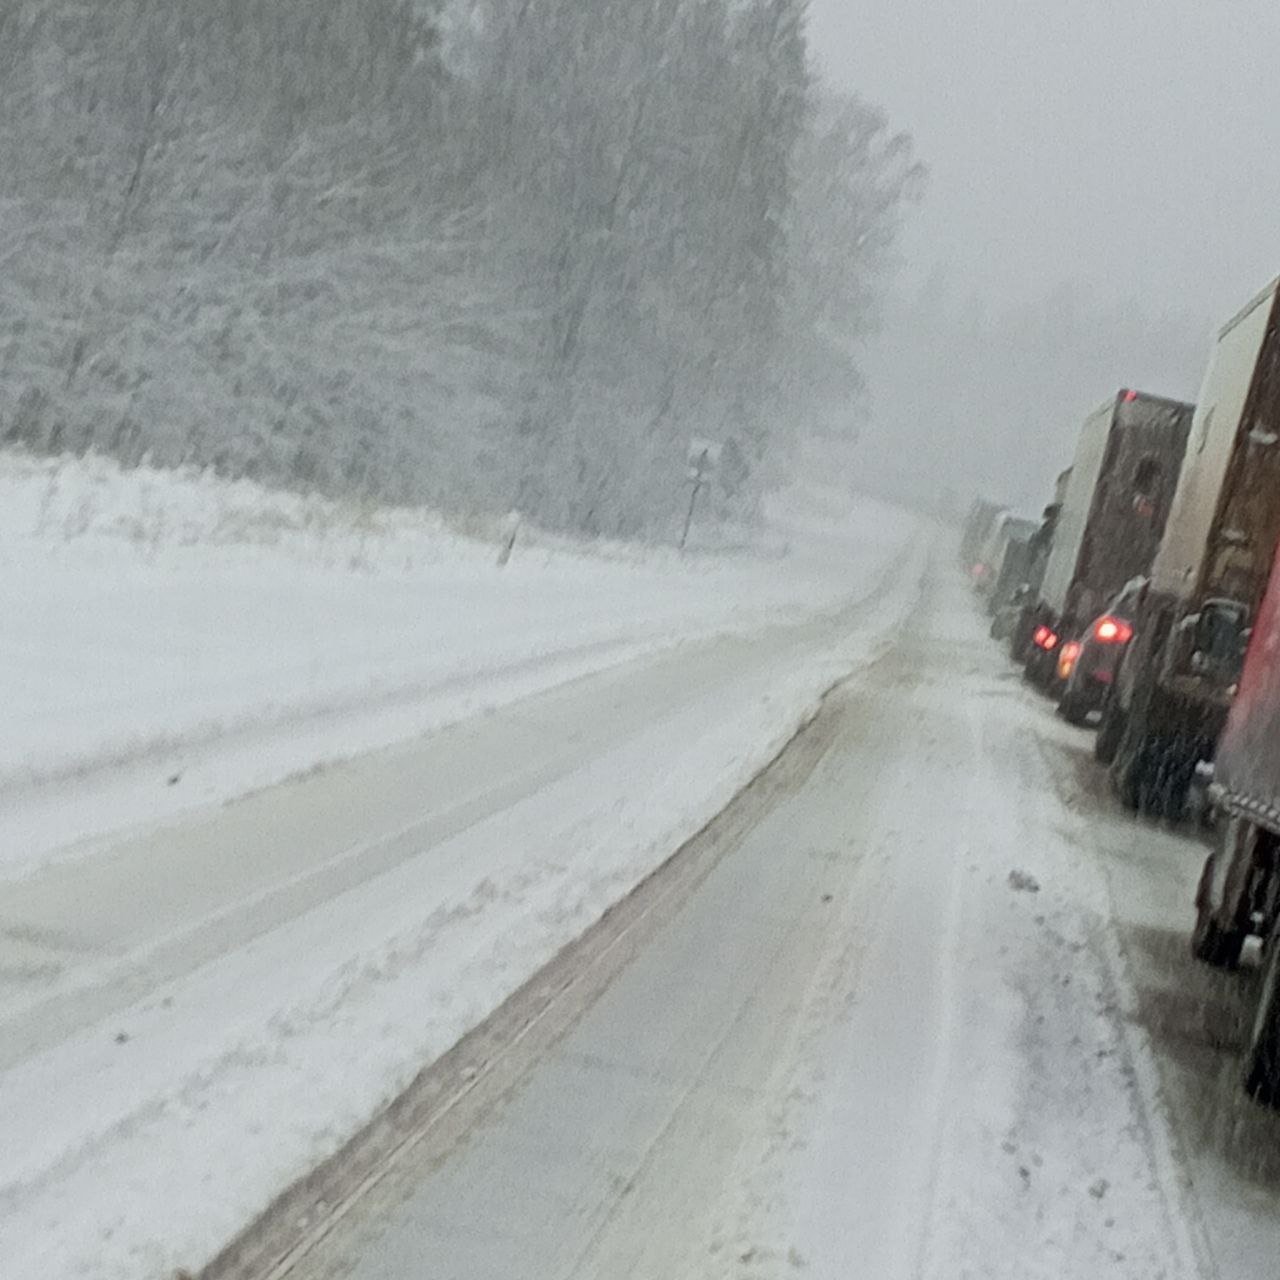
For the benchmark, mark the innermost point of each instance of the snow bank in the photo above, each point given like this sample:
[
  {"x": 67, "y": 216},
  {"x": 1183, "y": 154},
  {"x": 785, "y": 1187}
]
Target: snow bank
[{"x": 156, "y": 620}]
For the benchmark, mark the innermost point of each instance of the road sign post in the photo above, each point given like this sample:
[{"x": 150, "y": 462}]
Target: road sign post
[{"x": 703, "y": 457}]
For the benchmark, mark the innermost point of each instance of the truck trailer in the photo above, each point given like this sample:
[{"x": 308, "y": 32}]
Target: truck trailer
[
  {"x": 1021, "y": 610},
  {"x": 1015, "y": 564},
  {"x": 1239, "y": 893},
  {"x": 977, "y": 524},
  {"x": 1178, "y": 677},
  {"x": 992, "y": 571},
  {"x": 1113, "y": 514}
]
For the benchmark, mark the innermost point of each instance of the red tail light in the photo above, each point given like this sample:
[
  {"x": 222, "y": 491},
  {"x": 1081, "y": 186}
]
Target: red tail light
[
  {"x": 1045, "y": 638},
  {"x": 1067, "y": 659},
  {"x": 1109, "y": 630}
]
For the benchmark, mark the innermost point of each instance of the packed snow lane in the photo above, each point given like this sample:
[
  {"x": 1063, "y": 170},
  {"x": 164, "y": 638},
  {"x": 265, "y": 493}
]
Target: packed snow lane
[
  {"x": 1195, "y": 1018},
  {"x": 195, "y": 1016},
  {"x": 875, "y": 1033}
]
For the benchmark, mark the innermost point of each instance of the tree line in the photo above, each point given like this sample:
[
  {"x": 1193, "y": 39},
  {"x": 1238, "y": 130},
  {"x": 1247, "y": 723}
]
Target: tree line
[{"x": 483, "y": 255}]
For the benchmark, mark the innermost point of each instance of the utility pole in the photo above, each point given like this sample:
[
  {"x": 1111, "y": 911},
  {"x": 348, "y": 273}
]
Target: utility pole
[{"x": 703, "y": 456}]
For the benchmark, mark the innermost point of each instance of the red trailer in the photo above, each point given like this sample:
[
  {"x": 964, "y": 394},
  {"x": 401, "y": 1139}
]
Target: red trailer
[{"x": 1239, "y": 894}]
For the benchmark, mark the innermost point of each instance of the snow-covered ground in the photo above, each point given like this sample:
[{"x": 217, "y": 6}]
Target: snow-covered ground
[
  {"x": 198, "y": 1007},
  {"x": 175, "y": 640}
]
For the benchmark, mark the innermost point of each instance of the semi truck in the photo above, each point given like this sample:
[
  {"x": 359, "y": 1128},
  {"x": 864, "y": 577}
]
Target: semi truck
[
  {"x": 1175, "y": 686},
  {"x": 1020, "y": 621},
  {"x": 1015, "y": 564},
  {"x": 991, "y": 571},
  {"x": 1113, "y": 514},
  {"x": 977, "y": 524},
  {"x": 1239, "y": 892}
]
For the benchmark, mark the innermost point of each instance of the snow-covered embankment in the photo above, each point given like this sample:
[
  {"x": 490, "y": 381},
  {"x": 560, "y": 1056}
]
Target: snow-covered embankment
[{"x": 222, "y": 997}]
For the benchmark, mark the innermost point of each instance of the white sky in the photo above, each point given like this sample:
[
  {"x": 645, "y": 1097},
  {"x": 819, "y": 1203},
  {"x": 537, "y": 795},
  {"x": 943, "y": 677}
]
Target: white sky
[
  {"x": 1129, "y": 148},
  {"x": 1132, "y": 144}
]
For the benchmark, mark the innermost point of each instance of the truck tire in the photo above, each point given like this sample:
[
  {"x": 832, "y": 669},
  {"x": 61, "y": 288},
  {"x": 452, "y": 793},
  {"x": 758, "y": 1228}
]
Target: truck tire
[
  {"x": 1040, "y": 669},
  {"x": 1132, "y": 772},
  {"x": 1211, "y": 943},
  {"x": 1110, "y": 731},
  {"x": 1153, "y": 775},
  {"x": 1073, "y": 708},
  {"x": 1177, "y": 773},
  {"x": 1262, "y": 1054}
]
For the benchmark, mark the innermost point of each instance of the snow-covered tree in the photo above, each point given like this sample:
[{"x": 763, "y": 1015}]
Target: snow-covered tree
[
  {"x": 854, "y": 178},
  {"x": 476, "y": 253}
]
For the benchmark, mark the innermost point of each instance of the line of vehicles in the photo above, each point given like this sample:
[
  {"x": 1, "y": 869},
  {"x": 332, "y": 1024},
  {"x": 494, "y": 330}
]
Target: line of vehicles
[{"x": 1146, "y": 600}]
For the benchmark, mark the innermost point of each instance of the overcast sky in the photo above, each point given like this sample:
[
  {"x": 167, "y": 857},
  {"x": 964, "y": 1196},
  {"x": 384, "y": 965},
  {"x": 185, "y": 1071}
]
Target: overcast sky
[{"x": 1128, "y": 148}]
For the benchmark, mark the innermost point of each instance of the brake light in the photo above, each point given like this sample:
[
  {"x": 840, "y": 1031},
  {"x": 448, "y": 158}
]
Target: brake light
[
  {"x": 1109, "y": 630},
  {"x": 1045, "y": 638},
  {"x": 1067, "y": 659}
]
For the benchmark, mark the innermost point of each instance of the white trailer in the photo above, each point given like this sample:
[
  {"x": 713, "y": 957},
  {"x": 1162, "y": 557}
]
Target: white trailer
[
  {"x": 1077, "y": 502},
  {"x": 1179, "y": 564},
  {"x": 1178, "y": 679}
]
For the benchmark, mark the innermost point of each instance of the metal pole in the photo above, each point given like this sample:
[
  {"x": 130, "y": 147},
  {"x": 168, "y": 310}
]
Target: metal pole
[
  {"x": 688, "y": 520},
  {"x": 699, "y": 471}
]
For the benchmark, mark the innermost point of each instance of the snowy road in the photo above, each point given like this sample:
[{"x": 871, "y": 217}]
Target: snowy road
[
  {"x": 916, "y": 1005},
  {"x": 884, "y": 1019},
  {"x": 193, "y": 1015}
]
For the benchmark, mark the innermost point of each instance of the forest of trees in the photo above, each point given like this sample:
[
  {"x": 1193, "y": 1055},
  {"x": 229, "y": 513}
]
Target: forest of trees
[{"x": 480, "y": 254}]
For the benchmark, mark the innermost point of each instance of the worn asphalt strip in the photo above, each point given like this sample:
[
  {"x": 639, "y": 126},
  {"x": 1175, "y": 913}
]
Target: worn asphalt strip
[{"x": 448, "y": 1096}]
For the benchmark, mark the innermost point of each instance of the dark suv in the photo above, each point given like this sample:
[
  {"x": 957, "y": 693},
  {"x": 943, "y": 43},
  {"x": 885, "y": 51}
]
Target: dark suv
[{"x": 1088, "y": 664}]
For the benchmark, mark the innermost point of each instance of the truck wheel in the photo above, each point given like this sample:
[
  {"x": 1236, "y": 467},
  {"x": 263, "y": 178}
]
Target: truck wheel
[
  {"x": 1153, "y": 776},
  {"x": 1130, "y": 770},
  {"x": 1177, "y": 771},
  {"x": 1213, "y": 945},
  {"x": 1073, "y": 708},
  {"x": 1262, "y": 1056},
  {"x": 1019, "y": 637},
  {"x": 1110, "y": 731},
  {"x": 1039, "y": 668},
  {"x": 1210, "y": 943}
]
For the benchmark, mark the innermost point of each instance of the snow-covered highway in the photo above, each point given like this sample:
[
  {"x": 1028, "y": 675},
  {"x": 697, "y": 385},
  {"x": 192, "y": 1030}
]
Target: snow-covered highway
[
  {"x": 887, "y": 1018},
  {"x": 916, "y": 1004}
]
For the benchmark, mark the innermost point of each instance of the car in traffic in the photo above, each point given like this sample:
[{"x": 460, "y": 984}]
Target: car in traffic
[{"x": 1088, "y": 663}]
